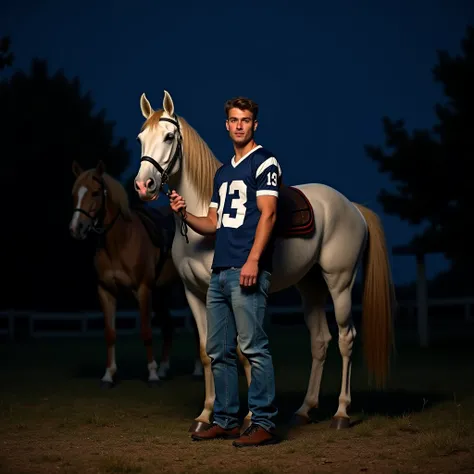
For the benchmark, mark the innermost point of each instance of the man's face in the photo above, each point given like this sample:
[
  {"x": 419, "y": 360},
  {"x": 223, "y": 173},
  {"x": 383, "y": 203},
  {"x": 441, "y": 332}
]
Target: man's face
[{"x": 240, "y": 125}]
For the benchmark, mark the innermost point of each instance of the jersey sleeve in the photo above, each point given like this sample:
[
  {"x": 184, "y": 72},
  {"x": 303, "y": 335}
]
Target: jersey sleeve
[
  {"x": 268, "y": 177},
  {"x": 215, "y": 194}
]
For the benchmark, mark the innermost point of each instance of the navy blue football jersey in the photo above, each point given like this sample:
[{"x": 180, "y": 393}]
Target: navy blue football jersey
[{"x": 236, "y": 188}]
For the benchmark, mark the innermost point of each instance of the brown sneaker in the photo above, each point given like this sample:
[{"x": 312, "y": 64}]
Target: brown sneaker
[
  {"x": 255, "y": 435},
  {"x": 216, "y": 432}
]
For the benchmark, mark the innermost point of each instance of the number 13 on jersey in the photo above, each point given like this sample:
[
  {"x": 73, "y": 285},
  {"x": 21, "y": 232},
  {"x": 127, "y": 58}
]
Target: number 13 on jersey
[{"x": 239, "y": 189}]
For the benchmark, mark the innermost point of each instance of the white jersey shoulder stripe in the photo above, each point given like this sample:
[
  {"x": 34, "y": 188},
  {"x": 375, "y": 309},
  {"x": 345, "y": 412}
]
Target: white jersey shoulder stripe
[{"x": 268, "y": 162}]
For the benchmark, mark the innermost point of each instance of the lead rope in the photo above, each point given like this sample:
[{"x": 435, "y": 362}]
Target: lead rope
[{"x": 184, "y": 226}]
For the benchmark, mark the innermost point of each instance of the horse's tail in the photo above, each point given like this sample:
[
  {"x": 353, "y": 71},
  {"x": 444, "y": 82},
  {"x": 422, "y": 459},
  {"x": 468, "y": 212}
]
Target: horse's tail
[{"x": 378, "y": 304}]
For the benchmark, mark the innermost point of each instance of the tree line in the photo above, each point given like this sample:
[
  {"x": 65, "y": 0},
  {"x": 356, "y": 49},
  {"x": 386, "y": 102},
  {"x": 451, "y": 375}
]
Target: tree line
[
  {"x": 431, "y": 171},
  {"x": 47, "y": 121}
]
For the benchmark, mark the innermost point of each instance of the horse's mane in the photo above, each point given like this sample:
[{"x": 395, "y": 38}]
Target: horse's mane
[
  {"x": 199, "y": 161},
  {"x": 115, "y": 190}
]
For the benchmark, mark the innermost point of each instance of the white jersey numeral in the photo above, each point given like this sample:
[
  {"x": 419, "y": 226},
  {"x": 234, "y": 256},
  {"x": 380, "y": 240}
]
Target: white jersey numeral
[
  {"x": 271, "y": 179},
  {"x": 237, "y": 204}
]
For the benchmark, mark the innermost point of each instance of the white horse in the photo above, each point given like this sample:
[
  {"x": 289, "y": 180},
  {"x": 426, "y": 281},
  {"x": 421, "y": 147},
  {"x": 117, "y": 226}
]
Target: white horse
[{"x": 327, "y": 262}]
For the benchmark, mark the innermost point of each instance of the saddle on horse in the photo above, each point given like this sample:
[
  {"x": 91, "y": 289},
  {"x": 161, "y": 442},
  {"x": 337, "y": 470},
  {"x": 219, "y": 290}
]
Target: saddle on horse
[
  {"x": 295, "y": 215},
  {"x": 159, "y": 224}
]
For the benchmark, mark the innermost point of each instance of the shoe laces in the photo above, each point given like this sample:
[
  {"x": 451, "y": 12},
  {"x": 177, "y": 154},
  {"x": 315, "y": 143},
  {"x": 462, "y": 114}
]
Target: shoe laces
[{"x": 251, "y": 430}]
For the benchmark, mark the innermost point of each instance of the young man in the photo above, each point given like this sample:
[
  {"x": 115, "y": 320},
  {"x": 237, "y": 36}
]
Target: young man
[{"x": 242, "y": 213}]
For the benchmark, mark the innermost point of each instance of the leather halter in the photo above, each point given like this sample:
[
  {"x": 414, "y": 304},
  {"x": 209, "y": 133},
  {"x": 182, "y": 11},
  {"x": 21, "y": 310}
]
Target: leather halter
[
  {"x": 177, "y": 154},
  {"x": 99, "y": 216},
  {"x": 165, "y": 173}
]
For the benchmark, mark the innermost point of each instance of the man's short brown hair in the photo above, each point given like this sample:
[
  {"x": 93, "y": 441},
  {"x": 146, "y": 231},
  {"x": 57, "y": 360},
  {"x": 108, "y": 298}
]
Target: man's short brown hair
[{"x": 242, "y": 103}]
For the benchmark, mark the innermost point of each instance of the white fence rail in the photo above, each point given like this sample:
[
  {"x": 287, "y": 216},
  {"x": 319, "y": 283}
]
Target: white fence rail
[
  {"x": 82, "y": 317},
  {"x": 86, "y": 316}
]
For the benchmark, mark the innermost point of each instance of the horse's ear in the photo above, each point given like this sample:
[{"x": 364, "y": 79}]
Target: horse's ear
[
  {"x": 76, "y": 168},
  {"x": 145, "y": 106},
  {"x": 168, "y": 105},
  {"x": 100, "y": 168}
]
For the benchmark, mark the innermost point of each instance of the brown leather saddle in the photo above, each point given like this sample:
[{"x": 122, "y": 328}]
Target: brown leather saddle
[{"x": 295, "y": 216}]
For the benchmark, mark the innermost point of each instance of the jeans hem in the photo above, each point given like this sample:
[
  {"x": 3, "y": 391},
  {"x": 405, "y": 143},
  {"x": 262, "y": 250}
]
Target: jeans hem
[
  {"x": 266, "y": 426},
  {"x": 226, "y": 426}
]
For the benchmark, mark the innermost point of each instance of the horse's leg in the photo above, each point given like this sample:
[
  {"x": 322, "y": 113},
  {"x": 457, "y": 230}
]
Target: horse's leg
[
  {"x": 144, "y": 303},
  {"x": 314, "y": 292},
  {"x": 198, "y": 372},
  {"x": 340, "y": 287},
  {"x": 162, "y": 313},
  {"x": 108, "y": 303},
  {"x": 198, "y": 308}
]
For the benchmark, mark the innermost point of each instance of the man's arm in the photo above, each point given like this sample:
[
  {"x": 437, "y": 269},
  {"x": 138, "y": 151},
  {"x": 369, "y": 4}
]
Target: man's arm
[
  {"x": 267, "y": 206},
  {"x": 205, "y": 225},
  {"x": 268, "y": 179}
]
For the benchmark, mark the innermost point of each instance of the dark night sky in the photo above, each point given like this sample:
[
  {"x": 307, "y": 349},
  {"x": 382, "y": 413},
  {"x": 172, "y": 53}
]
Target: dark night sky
[{"x": 324, "y": 73}]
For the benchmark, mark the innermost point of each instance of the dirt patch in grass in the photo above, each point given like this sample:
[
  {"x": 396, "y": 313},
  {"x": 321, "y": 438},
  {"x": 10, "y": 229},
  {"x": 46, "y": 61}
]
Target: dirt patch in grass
[{"x": 90, "y": 436}]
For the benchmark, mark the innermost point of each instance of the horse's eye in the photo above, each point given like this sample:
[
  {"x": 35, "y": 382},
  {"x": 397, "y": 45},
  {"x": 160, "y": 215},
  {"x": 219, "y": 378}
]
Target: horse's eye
[
  {"x": 169, "y": 137},
  {"x": 95, "y": 194}
]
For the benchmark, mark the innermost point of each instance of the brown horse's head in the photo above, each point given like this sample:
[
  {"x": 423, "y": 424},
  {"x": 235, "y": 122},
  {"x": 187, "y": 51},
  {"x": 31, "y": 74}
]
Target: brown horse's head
[
  {"x": 99, "y": 200},
  {"x": 89, "y": 199}
]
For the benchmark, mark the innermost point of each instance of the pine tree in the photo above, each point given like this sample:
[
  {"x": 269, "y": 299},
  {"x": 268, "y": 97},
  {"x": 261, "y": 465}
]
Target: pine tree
[
  {"x": 431, "y": 168},
  {"x": 46, "y": 122}
]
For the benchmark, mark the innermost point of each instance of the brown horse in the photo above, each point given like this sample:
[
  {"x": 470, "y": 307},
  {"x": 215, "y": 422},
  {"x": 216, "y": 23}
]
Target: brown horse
[{"x": 132, "y": 253}]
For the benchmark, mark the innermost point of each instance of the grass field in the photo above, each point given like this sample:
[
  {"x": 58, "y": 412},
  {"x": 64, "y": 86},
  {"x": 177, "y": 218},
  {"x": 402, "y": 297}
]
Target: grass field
[{"x": 55, "y": 418}]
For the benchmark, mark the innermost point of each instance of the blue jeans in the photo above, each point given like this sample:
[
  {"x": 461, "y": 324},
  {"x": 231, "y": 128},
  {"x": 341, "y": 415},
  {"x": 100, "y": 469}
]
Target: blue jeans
[{"x": 237, "y": 314}]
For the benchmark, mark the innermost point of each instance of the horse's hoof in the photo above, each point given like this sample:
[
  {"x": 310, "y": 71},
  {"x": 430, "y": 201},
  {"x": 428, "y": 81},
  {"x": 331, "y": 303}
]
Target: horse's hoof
[
  {"x": 106, "y": 385},
  {"x": 245, "y": 424},
  {"x": 198, "y": 426},
  {"x": 299, "y": 420},
  {"x": 154, "y": 383},
  {"x": 167, "y": 376},
  {"x": 340, "y": 422}
]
